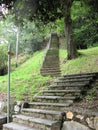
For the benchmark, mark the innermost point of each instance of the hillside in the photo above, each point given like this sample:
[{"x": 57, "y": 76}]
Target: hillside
[
  {"x": 86, "y": 62},
  {"x": 26, "y": 79}
]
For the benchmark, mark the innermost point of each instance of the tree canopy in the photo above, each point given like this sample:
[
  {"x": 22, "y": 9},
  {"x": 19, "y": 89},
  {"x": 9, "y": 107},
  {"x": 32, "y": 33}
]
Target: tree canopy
[{"x": 51, "y": 10}]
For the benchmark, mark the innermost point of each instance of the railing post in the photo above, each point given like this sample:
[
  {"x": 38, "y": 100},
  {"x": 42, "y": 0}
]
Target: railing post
[{"x": 8, "y": 89}]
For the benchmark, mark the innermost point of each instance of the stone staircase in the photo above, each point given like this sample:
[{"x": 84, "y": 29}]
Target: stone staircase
[
  {"x": 47, "y": 111},
  {"x": 51, "y": 64}
]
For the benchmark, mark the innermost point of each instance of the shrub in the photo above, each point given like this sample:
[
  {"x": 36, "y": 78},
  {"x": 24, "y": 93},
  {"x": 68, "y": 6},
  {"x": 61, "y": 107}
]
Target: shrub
[{"x": 3, "y": 59}]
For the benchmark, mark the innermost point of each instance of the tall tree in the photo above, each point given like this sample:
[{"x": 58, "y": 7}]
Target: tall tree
[
  {"x": 49, "y": 10},
  {"x": 66, "y": 10},
  {"x": 93, "y": 4}
]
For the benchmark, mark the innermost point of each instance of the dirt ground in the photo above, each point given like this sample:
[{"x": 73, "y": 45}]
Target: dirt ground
[{"x": 87, "y": 104}]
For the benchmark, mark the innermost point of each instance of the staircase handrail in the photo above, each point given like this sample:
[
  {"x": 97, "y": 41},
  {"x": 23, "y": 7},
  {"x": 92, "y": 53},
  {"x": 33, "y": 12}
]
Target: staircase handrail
[{"x": 45, "y": 51}]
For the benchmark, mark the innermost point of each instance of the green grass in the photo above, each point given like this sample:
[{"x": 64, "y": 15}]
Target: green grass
[
  {"x": 86, "y": 62},
  {"x": 26, "y": 79}
]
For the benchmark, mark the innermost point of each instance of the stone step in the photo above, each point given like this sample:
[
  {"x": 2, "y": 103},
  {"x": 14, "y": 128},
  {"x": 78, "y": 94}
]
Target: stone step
[
  {"x": 52, "y": 58},
  {"x": 3, "y": 120},
  {"x": 46, "y": 64},
  {"x": 38, "y": 123},
  {"x": 49, "y": 106},
  {"x": 49, "y": 67},
  {"x": 82, "y": 78},
  {"x": 67, "y": 86},
  {"x": 43, "y": 114},
  {"x": 50, "y": 70},
  {"x": 73, "y": 81},
  {"x": 53, "y": 52},
  {"x": 71, "y": 84},
  {"x": 54, "y": 99},
  {"x": 16, "y": 126},
  {"x": 51, "y": 74},
  {"x": 62, "y": 87},
  {"x": 51, "y": 61},
  {"x": 61, "y": 92},
  {"x": 79, "y": 75},
  {"x": 95, "y": 73}
]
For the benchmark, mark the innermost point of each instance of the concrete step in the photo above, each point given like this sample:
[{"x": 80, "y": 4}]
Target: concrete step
[
  {"x": 54, "y": 99},
  {"x": 3, "y": 120},
  {"x": 79, "y": 76},
  {"x": 16, "y": 126},
  {"x": 50, "y": 68},
  {"x": 49, "y": 106},
  {"x": 51, "y": 65},
  {"x": 52, "y": 52},
  {"x": 51, "y": 61},
  {"x": 50, "y": 71},
  {"x": 62, "y": 79},
  {"x": 52, "y": 58},
  {"x": 73, "y": 81},
  {"x": 75, "y": 78},
  {"x": 61, "y": 92},
  {"x": 56, "y": 64},
  {"x": 71, "y": 84},
  {"x": 67, "y": 86},
  {"x": 38, "y": 123},
  {"x": 52, "y": 55},
  {"x": 51, "y": 74},
  {"x": 82, "y": 74},
  {"x": 43, "y": 114}
]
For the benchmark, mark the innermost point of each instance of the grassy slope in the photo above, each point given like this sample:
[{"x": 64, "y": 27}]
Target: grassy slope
[
  {"x": 27, "y": 79},
  {"x": 87, "y": 62}
]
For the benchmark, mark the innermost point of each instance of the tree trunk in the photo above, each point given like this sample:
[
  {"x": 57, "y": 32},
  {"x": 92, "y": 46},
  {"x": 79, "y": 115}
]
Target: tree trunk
[{"x": 71, "y": 47}]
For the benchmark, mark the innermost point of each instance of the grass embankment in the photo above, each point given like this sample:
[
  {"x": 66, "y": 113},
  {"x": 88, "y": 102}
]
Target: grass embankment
[
  {"x": 85, "y": 63},
  {"x": 26, "y": 79}
]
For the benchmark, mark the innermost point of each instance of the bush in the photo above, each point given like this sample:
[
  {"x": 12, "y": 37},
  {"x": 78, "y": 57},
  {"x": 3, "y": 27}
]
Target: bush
[{"x": 3, "y": 59}]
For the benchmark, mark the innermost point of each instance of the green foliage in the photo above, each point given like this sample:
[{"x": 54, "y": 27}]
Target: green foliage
[
  {"x": 84, "y": 25},
  {"x": 7, "y": 31},
  {"x": 30, "y": 34},
  {"x": 43, "y": 10},
  {"x": 79, "y": 10},
  {"x": 59, "y": 26},
  {"x": 3, "y": 59},
  {"x": 91, "y": 93}
]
